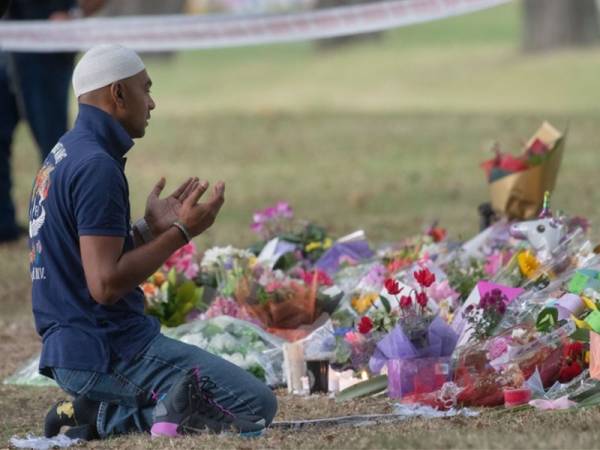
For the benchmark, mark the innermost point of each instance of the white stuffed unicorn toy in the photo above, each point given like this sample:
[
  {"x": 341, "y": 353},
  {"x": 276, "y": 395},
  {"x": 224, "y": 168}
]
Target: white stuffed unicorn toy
[{"x": 544, "y": 233}]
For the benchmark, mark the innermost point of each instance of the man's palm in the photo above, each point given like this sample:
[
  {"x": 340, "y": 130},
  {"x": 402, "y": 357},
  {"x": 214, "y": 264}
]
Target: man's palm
[{"x": 161, "y": 213}]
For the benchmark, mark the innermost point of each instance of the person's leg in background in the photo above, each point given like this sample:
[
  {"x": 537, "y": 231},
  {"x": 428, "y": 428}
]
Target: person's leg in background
[
  {"x": 43, "y": 82},
  {"x": 128, "y": 395},
  {"x": 9, "y": 117}
]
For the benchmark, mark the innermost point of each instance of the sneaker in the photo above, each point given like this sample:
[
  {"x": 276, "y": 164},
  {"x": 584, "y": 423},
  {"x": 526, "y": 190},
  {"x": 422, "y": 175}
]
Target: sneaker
[
  {"x": 212, "y": 417},
  {"x": 79, "y": 415},
  {"x": 189, "y": 408}
]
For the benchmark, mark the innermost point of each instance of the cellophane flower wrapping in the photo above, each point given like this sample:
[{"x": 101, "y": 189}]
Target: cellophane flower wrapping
[{"x": 408, "y": 353}]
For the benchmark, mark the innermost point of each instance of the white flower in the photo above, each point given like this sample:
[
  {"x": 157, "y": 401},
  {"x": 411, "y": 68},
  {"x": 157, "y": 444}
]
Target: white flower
[
  {"x": 218, "y": 255},
  {"x": 195, "y": 339},
  {"x": 223, "y": 343},
  {"x": 518, "y": 333}
]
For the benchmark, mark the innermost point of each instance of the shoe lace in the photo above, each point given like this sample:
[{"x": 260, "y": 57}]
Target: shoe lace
[{"x": 206, "y": 387}]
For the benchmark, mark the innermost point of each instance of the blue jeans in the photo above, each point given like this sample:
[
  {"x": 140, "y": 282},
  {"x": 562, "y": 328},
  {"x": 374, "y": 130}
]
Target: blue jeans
[{"x": 129, "y": 392}]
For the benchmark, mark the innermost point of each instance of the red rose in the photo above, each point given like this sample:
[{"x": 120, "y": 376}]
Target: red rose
[
  {"x": 424, "y": 277},
  {"x": 405, "y": 302},
  {"x": 392, "y": 286},
  {"x": 365, "y": 325},
  {"x": 422, "y": 299}
]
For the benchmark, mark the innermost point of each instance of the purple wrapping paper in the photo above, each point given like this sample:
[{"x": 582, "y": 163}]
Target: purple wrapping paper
[
  {"x": 330, "y": 260},
  {"x": 441, "y": 340}
]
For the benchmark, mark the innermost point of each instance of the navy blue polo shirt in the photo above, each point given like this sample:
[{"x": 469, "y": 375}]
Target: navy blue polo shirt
[{"x": 81, "y": 190}]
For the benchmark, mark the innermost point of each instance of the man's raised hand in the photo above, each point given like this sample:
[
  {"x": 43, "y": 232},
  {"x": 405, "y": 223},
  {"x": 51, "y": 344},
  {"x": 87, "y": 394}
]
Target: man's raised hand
[
  {"x": 198, "y": 217},
  {"x": 161, "y": 213}
]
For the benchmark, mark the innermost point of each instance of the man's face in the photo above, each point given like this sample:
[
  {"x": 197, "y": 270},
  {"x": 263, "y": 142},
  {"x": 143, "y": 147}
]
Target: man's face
[{"x": 136, "y": 104}]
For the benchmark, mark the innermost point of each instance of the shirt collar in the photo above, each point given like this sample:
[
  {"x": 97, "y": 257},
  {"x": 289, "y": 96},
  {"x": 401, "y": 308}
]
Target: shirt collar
[{"x": 107, "y": 129}]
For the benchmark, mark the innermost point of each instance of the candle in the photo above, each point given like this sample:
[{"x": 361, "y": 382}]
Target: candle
[{"x": 516, "y": 397}]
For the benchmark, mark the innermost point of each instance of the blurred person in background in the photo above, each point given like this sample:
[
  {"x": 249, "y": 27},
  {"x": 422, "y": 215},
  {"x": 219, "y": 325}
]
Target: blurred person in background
[{"x": 33, "y": 87}]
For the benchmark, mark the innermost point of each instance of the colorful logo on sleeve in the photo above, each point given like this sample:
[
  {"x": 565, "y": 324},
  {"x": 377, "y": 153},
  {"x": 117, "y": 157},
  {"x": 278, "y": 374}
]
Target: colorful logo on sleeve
[{"x": 37, "y": 211}]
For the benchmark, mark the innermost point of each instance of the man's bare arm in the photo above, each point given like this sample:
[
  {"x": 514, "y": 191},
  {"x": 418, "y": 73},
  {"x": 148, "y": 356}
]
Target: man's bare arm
[{"x": 110, "y": 273}]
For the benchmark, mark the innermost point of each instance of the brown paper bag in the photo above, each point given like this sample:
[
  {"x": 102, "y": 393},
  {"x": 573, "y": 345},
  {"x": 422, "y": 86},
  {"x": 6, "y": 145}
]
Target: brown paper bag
[{"x": 520, "y": 195}]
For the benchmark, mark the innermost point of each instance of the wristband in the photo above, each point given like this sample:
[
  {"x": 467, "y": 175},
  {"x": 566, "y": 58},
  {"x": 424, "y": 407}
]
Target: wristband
[
  {"x": 183, "y": 229},
  {"x": 144, "y": 230}
]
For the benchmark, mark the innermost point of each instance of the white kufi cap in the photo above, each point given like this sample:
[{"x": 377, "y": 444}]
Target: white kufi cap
[{"x": 103, "y": 65}]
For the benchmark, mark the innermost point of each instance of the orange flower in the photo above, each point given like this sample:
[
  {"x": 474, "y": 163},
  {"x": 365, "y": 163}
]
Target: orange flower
[
  {"x": 159, "y": 278},
  {"x": 150, "y": 290}
]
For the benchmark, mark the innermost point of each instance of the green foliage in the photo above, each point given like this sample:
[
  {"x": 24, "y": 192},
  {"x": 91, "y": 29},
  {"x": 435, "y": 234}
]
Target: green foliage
[
  {"x": 547, "y": 319},
  {"x": 181, "y": 298},
  {"x": 258, "y": 372},
  {"x": 463, "y": 278}
]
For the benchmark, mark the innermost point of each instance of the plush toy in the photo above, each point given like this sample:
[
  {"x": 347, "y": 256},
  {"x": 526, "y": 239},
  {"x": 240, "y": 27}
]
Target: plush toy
[{"x": 544, "y": 234}]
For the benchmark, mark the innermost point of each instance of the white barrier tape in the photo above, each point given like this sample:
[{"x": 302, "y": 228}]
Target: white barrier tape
[{"x": 160, "y": 33}]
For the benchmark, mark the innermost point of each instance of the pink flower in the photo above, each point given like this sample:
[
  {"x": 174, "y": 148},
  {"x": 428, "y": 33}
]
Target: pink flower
[
  {"x": 497, "y": 348},
  {"x": 322, "y": 278},
  {"x": 273, "y": 286},
  {"x": 222, "y": 306},
  {"x": 353, "y": 338},
  {"x": 284, "y": 210},
  {"x": 442, "y": 291},
  {"x": 183, "y": 260}
]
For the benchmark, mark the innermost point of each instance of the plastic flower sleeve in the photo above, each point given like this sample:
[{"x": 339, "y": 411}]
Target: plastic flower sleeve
[
  {"x": 240, "y": 342},
  {"x": 440, "y": 341},
  {"x": 483, "y": 370}
]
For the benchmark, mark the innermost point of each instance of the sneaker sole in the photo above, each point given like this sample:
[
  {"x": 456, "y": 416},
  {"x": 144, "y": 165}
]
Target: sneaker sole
[{"x": 164, "y": 429}]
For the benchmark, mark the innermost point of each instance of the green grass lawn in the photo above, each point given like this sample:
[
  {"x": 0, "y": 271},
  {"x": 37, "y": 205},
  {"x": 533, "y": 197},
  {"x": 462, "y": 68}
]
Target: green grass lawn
[{"x": 386, "y": 136}]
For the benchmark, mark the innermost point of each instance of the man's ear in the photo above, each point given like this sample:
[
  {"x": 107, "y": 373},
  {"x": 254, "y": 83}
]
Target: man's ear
[{"x": 116, "y": 92}]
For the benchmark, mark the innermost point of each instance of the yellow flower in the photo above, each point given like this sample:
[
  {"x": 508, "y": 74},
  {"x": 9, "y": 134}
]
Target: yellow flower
[
  {"x": 327, "y": 243},
  {"x": 581, "y": 323},
  {"x": 252, "y": 261},
  {"x": 362, "y": 304},
  {"x": 315, "y": 245},
  {"x": 528, "y": 264},
  {"x": 589, "y": 303}
]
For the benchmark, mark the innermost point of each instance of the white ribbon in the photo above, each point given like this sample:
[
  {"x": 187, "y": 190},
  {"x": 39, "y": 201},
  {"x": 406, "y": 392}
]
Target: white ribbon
[{"x": 175, "y": 32}]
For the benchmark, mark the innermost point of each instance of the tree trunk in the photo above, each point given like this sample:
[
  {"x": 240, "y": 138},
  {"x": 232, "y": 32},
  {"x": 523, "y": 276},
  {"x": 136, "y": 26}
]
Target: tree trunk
[{"x": 550, "y": 24}]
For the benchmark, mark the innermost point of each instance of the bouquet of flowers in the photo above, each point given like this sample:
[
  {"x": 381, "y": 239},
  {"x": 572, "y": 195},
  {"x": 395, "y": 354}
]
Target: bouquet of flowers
[
  {"x": 277, "y": 221},
  {"x": 425, "y": 246},
  {"x": 517, "y": 184},
  {"x": 239, "y": 342},
  {"x": 416, "y": 346},
  {"x": 278, "y": 300},
  {"x": 484, "y": 369},
  {"x": 171, "y": 294},
  {"x": 223, "y": 267}
]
